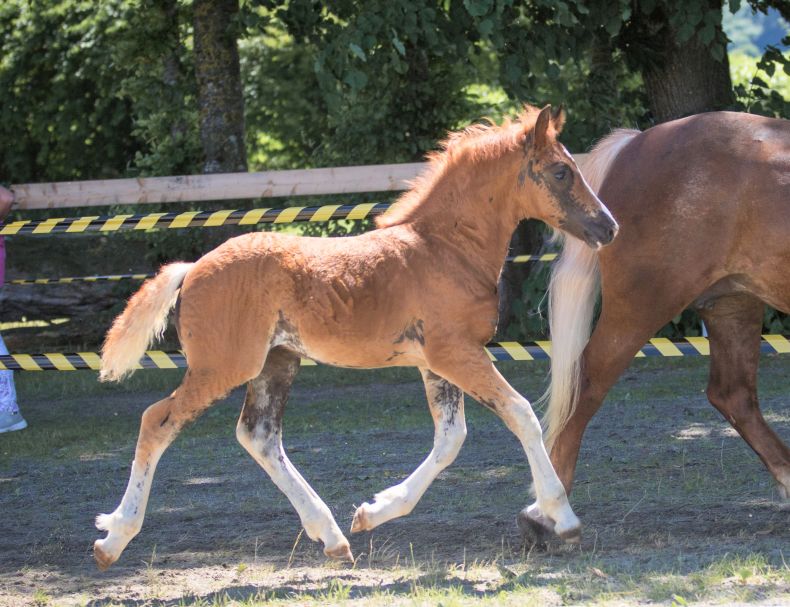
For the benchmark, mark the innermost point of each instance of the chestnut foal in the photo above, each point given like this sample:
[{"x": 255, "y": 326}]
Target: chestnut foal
[{"x": 419, "y": 291}]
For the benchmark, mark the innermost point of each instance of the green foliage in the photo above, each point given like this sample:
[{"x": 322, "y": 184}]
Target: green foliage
[
  {"x": 87, "y": 93},
  {"x": 107, "y": 88},
  {"x": 159, "y": 84},
  {"x": 62, "y": 116},
  {"x": 762, "y": 85},
  {"x": 390, "y": 74},
  {"x": 286, "y": 114}
]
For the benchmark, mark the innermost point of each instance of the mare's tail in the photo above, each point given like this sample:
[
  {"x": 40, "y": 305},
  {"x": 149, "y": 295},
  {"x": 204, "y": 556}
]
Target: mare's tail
[
  {"x": 573, "y": 291},
  {"x": 143, "y": 320}
]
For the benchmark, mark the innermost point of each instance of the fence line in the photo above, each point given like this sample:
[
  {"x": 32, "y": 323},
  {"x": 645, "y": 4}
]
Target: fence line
[
  {"x": 72, "y": 279},
  {"x": 190, "y": 219},
  {"x": 224, "y": 186},
  {"x": 497, "y": 351},
  {"x": 221, "y": 186}
]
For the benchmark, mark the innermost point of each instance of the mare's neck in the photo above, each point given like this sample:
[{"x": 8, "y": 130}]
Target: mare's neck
[{"x": 474, "y": 210}]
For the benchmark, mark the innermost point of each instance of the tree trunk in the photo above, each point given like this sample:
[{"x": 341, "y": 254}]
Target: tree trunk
[
  {"x": 220, "y": 100},
  {"x": 173, "y": 73},
  {"x": 684, "y": 78}
]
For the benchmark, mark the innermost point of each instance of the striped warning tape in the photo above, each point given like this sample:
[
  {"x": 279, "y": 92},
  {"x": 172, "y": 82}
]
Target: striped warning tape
[
  {"x": 191, "y": 219},
  {"x": 530, "y": 258},
  {"x": 497, "y": 351},
  {"x": 657, "y": 346},
  {"x": 70, "y": 279},
  {"x": 199, "y": 219}
]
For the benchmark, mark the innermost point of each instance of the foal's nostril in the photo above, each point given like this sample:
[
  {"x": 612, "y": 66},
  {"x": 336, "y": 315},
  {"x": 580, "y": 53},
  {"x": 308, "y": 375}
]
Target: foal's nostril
[{"x": 609, "y": 232}]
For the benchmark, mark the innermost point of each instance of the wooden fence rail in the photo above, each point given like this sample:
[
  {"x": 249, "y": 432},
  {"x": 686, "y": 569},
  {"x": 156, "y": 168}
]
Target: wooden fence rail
[
  {"x": 225, "y": 186},
  {"x": 222, "y": 186}
]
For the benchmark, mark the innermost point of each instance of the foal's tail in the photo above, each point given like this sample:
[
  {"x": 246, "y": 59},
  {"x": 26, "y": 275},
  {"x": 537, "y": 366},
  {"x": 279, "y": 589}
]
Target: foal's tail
[
  {"x": 143, "y": 320},
  {"x": 573, "y": 291}
]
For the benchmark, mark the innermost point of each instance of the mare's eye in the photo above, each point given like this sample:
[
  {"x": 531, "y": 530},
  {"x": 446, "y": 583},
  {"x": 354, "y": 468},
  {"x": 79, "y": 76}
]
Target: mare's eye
[{"x": 561, "y": 173}]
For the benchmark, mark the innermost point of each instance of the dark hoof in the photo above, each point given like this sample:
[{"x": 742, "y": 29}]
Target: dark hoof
[
  {"x": 572, "y": 536},
  {"x": 535, "y": 534}
]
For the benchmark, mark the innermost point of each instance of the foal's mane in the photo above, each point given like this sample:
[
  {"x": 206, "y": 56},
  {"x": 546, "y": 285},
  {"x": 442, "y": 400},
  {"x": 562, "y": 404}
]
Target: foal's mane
[{"x": 465, "y": 147}]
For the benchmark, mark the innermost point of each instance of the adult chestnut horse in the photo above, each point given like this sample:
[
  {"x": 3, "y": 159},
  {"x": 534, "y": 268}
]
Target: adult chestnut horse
[
  {"x": 419, "y": 291},
  {"x": 704, "y": 209}
]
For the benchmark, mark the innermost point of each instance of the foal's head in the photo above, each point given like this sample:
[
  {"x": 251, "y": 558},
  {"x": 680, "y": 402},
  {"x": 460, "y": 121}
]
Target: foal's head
[{"x": 554, "y": 191}]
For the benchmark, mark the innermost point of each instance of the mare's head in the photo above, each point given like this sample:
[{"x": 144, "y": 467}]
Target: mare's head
[{"x": 552, "y": 187}]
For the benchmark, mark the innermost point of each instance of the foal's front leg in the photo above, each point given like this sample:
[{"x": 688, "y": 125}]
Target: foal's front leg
[
  {"x": 473, "y": 372},
  {"x": 259, "y": 430},
  {"x": 446, "y": 402}
]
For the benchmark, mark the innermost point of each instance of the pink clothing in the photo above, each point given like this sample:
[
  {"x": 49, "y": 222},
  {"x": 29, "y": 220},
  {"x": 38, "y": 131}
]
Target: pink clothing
[{"x": 2, "y": 260}]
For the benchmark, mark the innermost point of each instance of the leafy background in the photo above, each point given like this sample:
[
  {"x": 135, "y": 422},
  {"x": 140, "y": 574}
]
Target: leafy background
[{"x": 86, "y": 92}]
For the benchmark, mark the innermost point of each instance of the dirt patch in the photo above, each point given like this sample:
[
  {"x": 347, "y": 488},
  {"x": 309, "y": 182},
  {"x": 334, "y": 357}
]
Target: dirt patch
[{"x": 665, "y": 488}]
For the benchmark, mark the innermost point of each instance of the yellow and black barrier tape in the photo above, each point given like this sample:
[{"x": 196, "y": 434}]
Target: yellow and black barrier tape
[
  {"x": 497, "y": 351},
  {"x": 119, "y": 277},
  {"x": 532, "y": 258},
  {"x": 197, "y": 219},
  {"x": 71, "y": 279},
  {"x": 190, "y": 219}
]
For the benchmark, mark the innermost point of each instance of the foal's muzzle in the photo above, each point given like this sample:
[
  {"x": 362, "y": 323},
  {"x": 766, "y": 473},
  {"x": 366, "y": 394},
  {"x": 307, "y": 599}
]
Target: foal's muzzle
[{"x": 600, "y": 230}]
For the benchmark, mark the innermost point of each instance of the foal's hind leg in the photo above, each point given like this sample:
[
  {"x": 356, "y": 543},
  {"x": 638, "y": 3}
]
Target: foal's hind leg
[
  {"x": 259, "y": 430},
  {"x": 160, "y": 424},
  {"x": 446, "y": 402},
  {"x": 734, "y": 323}
]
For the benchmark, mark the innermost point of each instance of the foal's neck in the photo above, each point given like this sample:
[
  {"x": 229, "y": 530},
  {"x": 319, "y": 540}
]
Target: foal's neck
[{"x": 475, "y": 210}]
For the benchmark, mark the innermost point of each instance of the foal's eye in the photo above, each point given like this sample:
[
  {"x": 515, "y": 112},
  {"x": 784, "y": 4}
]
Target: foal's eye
[{"x": 560, "y": 174}]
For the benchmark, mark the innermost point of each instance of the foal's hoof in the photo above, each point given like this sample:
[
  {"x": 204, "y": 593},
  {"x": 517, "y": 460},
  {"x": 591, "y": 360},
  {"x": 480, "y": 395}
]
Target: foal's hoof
[
  {"x": 360, "y": 522},
  {"x": 103, "y": 559},
  {"x": 341, "y": 552},
  {"x": 534, "y": 530},
  {"x": 784, "y": 492}
]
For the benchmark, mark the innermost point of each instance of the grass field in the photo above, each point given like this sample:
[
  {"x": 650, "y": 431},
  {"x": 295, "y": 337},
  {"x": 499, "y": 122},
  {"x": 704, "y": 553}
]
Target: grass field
[{"x": 676, "y": 507}]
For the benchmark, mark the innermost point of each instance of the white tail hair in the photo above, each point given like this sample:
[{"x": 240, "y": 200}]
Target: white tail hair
[
  {"x": 143, "y": 320},
  {"x": 573, "y": 291}
]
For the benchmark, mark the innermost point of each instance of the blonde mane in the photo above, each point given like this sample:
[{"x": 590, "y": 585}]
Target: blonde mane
[{"x": 473, "y": 144}]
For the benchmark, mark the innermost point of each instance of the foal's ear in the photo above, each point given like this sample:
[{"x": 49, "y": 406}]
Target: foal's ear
[
  {"x": 558, "y": 118},
  {"x": 540, "y": 132}
]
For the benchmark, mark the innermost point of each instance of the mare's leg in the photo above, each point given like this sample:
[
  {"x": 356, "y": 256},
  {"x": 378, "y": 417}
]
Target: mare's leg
[
  {"x": 259, "y": 430},
  {"x": 619, "y": 334},
  {"x": 734, "y": 323},
  {"x": 610, "y": 351},
  {"x": 160, "y": 424},
  {"x": 446, "y": 403},
  {"x": 473, "y": 372}
]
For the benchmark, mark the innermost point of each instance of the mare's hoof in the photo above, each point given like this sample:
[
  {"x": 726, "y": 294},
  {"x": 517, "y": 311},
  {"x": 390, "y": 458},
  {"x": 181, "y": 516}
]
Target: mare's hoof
[
  {"x": 360, "y": 522},
  {"x": 784, "y": 492},
  {"x": 341, "y": 552},
  {"x": 103, "y": 559}
]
